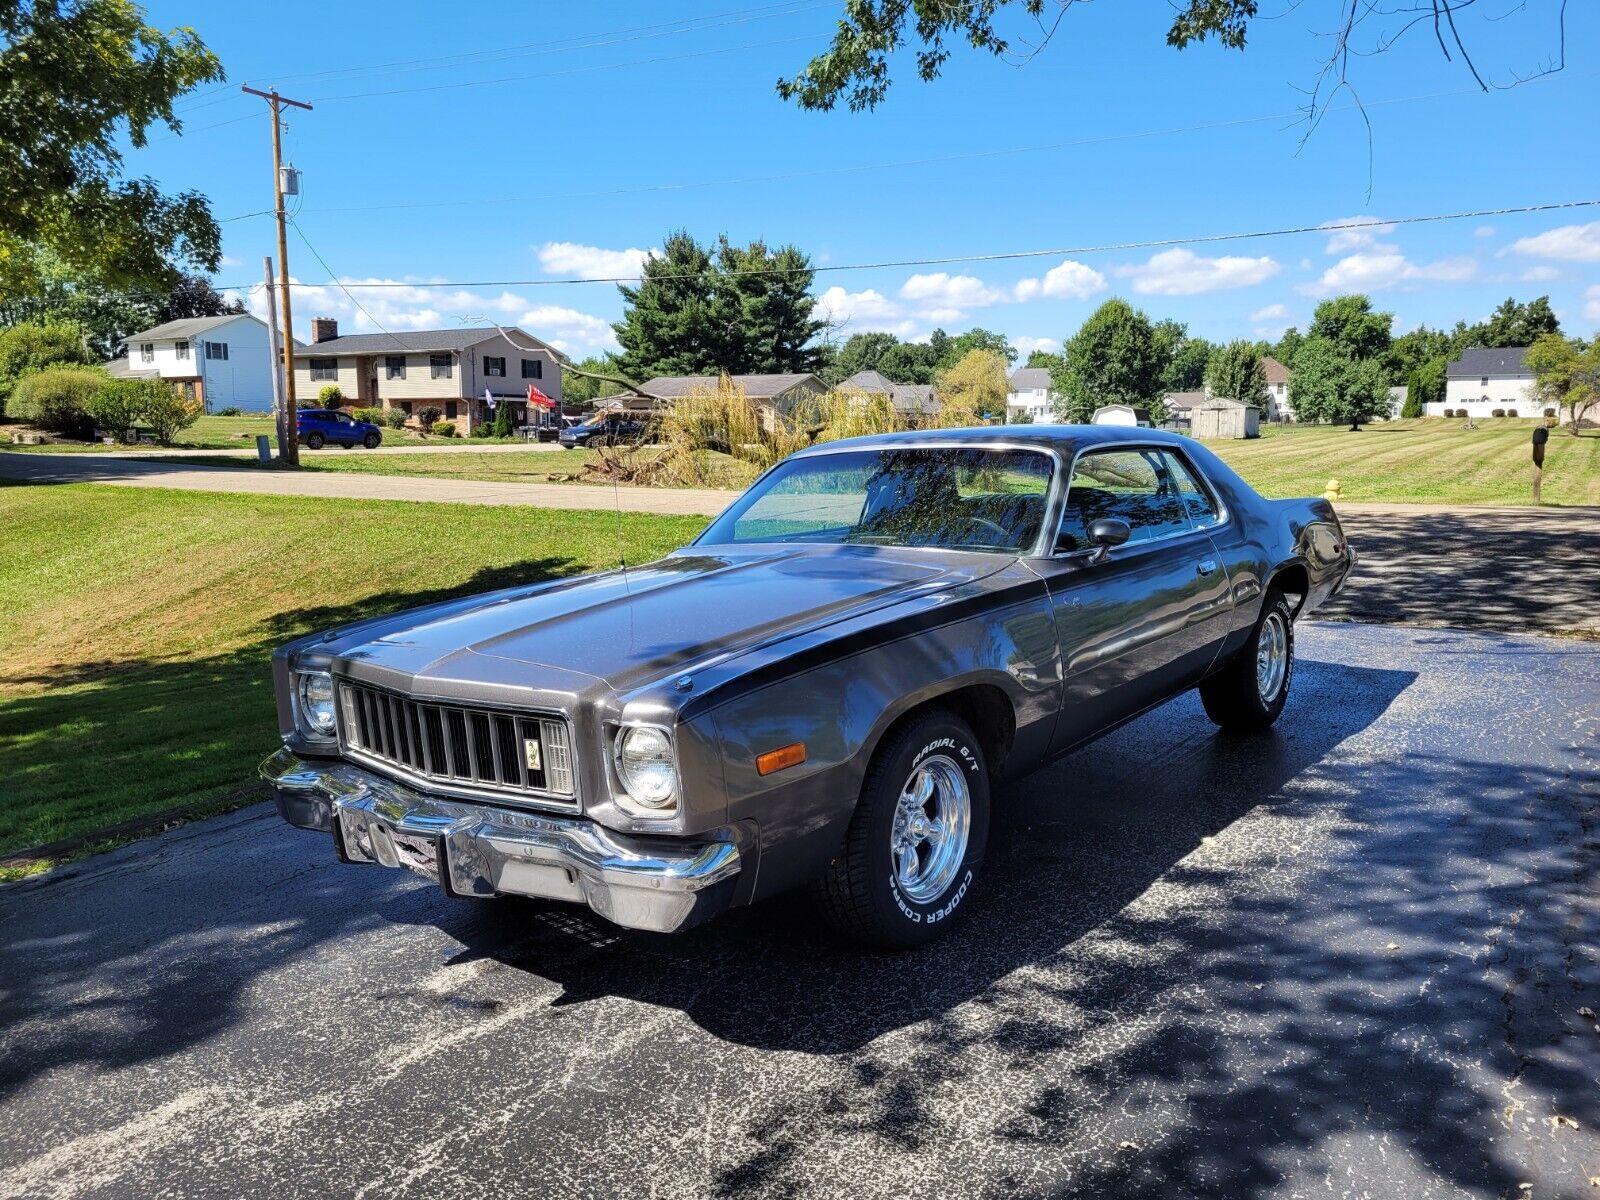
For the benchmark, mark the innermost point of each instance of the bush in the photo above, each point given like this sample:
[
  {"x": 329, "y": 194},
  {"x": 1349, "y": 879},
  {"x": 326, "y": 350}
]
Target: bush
[
  {"x": 169, "y": 411},
  {"x": 428, "y": 416},
  {"x": 394, "y": 418},
  {"x": 331, "y": 396},
  {"x": 120, "y": 404},
  {"x": 27, "y": 348},
  {"x": 1549, "y": 412},
  {"x": 58, "y": 399},
  {"x": 1511, "y": 412},
  {"x": 1499, "y": 412},
  {"x": 372, "y": 416},
  {"x": 444, "y": 429},
  {"x": 232, "y": 410}
]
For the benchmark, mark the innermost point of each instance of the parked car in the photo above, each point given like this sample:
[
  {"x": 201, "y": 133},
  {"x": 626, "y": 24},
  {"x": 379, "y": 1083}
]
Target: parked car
[
  {"x": 821, "y": 689},
  {"x": 319, "y": 426},
  {"x": 604, "y": 429}
]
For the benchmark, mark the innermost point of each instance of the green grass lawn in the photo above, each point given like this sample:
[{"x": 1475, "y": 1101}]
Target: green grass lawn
[
  {"x": 137, "y": 626},
  {"x": 1420, "y": 461}
]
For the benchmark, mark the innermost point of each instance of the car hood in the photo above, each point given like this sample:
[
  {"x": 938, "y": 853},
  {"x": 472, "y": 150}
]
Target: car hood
[{"x": 635, "y": 627}]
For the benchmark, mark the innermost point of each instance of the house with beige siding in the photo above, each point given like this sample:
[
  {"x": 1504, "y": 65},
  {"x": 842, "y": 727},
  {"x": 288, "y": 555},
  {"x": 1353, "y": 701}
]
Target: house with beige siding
[{"x": 453, "y": 370}]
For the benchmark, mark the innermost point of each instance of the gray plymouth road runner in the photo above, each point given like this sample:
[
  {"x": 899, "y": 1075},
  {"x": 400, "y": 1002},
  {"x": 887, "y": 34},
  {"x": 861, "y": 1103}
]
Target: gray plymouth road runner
[{"x": 821, "y": 689}]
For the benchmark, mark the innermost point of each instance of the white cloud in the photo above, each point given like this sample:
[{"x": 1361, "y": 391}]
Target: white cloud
[
  {"x": 1385, "y": 267},
  {"x": 1591, "y": 307},
  {"x": 1027, "y": 345},
  {"x": 1342, "y": 240},
  {"x": 949, "y": 293},
  {"x": 847, "y": 308},
  {"x": 1272, "y": 312},
  {"x": 1067, "y": 280},
  {"x": 1185, "y": 273},
  {"x": 1540, "y": 275},
  {"x": 229, "y": 261},
  {"x": 1483, "y": 231},
  {"x": 1566, "y": 243},
  {"x": 363, "y": 306},
  {"x": 592, "y": 262}
]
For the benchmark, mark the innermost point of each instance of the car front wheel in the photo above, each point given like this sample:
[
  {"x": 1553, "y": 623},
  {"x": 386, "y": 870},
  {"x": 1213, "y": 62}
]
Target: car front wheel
[
  {"x": 916, "y": 841},
  {"x": 1248, "y": 694}
]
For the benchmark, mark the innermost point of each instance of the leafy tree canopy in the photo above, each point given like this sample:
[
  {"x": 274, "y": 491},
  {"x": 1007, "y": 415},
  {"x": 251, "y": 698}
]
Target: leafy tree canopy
[
  {"x": 1514, "y": 324},
  {"x": 708, "y": 309},
  {"x": 977, "y": 339},
  {"x": 1566, "y": 375},
  {"x": 1350, "y": 324},
  {"x": 1113, "y": 359},
  {"x": 76, "y": 79},
  {"x": 973, "y": 389},
  {"x": 28, "y": 348},
  {"x": 860, "y": 352},
  {"x": 1236, "y": 371},
  {"x": 1043, "y": 358},
  {"x": 582, "y": 389},
  {"x": 1288, "y": 346},
  {"x": 1185, "y": 356},
  {"x": 1331, "y": 386}
]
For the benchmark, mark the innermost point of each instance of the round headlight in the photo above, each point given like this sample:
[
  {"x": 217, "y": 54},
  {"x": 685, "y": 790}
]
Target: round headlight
[
  {"x": 316, "y": 701},
  {"x": 646, "y": 767}
]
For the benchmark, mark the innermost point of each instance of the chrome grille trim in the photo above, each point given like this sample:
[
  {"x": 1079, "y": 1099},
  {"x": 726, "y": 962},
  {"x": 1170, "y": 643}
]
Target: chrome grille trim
[{"x": 459, "y": 748}]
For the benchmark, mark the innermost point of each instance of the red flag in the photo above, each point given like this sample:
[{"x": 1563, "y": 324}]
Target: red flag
[{"x": 535, "y": 396}]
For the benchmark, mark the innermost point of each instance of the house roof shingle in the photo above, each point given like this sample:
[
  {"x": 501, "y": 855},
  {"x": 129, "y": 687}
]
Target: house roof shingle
[
  {"x": 186, "y": 327},
  {"x": 1183, "y": 401},
  {"x": 757, "y": 387},
  {"x": 872, "y": 382},
  {"x": 1027, "y": 379},
  {"x": 1275, "y": 371},
  {"x": 417, "y": 341},
  {"x": 1478, "y": 361}
]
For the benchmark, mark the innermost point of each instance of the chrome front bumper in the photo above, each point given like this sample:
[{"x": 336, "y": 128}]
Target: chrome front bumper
[{"x": 480, "y": 850}]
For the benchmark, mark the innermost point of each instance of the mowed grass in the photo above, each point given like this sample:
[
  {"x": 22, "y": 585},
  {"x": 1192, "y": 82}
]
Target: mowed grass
[
  {"x": 1425, "y": 461},
  {"x": 137, "y": 625}
]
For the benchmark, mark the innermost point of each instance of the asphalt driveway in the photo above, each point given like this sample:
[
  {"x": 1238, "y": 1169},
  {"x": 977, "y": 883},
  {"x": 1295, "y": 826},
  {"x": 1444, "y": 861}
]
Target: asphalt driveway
[{"x": 1350, "y": 957}]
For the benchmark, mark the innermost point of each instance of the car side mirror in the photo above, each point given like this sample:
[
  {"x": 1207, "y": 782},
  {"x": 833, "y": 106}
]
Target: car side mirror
[{"x": 1106, "y": 532}]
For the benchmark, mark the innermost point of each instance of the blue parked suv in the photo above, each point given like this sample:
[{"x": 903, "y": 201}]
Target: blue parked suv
[{"x": 319, "y": 426}]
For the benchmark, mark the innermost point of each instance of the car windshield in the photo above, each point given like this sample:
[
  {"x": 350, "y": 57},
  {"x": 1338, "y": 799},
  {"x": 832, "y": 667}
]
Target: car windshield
[{"x": 957, "y": 498}]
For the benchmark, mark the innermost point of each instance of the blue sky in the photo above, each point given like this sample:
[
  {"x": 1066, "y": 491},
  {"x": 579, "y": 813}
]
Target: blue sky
[{"x": 531, "y": 143}]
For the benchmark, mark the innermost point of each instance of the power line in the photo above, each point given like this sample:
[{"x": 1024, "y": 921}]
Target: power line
[
  {"x": 1010, "y": 255},
  {"x": 348, "y": 295}
]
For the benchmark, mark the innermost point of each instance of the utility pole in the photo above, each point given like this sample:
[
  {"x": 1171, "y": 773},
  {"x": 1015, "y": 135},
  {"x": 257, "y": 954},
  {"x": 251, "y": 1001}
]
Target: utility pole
[
  {"x": 291, "y": 441},
  {"x": 277, "y": 360}
]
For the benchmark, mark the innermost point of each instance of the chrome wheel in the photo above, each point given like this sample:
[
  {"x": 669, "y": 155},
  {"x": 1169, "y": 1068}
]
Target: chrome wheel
[
  {"x": 932, "y": 822},
  {"x": 1272, "y": 657}
]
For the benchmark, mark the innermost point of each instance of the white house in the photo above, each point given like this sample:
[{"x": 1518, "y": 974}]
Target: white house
[
  {"x": 1483, "y": 381},
  {"x": 225, "y": 361},
  {"x": 1031, "y": 396},
  {"x": 1277, "y": 407}
]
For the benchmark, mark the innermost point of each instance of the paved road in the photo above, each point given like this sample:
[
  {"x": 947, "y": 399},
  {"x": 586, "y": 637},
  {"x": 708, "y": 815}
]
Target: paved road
[{"x": 1343, "y": 959}]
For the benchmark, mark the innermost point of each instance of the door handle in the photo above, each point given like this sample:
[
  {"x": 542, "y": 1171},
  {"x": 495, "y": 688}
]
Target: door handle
[{"x": 1207, "y": 566}]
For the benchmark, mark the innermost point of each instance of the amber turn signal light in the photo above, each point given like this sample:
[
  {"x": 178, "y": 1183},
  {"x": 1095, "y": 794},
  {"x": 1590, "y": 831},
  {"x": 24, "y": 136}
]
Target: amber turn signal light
[{"x": 785, "y": 756}]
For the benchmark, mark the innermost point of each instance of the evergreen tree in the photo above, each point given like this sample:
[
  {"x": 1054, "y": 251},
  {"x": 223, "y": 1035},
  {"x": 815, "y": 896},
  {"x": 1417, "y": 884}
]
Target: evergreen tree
[
  {"x": 1236, "y": 371},
  {"x": 674, "y": 320}
]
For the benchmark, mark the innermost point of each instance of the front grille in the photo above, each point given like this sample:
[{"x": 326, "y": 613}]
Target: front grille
[{"x": 458, "y": 746}]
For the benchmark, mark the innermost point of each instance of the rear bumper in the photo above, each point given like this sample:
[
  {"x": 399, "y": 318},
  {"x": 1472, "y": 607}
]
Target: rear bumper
[{"x": 480, "y": 850}]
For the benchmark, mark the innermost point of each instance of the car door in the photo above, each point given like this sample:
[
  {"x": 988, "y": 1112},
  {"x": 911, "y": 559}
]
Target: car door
[{"x": 1143, "y": 621}]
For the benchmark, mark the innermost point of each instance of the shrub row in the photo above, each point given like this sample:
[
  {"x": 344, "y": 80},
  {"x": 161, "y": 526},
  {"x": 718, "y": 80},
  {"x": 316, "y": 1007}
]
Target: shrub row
[{"x": 75, "y": 401}]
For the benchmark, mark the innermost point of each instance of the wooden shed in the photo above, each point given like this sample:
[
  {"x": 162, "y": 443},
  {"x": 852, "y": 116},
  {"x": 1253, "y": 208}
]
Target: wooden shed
[{"x": 1219, "y": 418}]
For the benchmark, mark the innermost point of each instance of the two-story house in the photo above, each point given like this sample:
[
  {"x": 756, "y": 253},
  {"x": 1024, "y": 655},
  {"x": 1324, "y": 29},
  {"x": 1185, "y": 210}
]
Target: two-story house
[
  {"x": 453, "y": 370},
  {"x": 225, "y": 361},
  {"x": 1031, "y": 396},
  {"x": 1484, "y": 381}
]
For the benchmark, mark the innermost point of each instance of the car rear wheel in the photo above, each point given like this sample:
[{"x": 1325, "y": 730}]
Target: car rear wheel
[
  {"x": 916, "y": 841},
  {"x": 371, "y": 441},
  {"x": 313, "y": 441},
  {"x": 1248, "y": 694}
]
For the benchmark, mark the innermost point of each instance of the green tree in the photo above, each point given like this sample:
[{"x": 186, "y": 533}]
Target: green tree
[
  {"x": 765, "y": 296},
  {"x": 78, "y": 81},
  {"x": 1566, "y": 374},
  {"x": 977, "y": 339},
  {"x": 1513, "y": 324},
  {"x": 120, "y": 404},
  {"x": 1331, "y": 386},
  {"x": 1428, "y": 382},
  {"x": 169, "y": 412},
  {"x": 673, "y": 321},
  {"x": 1236, "y": 371},
  {"x": 1413, "y": 403},
  {"x": 1043, "y": 358},
  {"x": 1185, "y": 356},
  {"x": 583, "y": 388},
  {"x": 1410, "y": 350},
  {"x": 1355, "y": 330},
  {"x": 909, "y": 362},
  {"x": 973, "y": 389},
  {"x": 1112, "y": 359},
  {"x": 1288, "y": 345},
  {"x": 860, "y": 352},
  {"x": 27, "y": 348}
]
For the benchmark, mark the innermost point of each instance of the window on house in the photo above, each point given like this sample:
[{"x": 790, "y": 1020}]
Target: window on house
[
  {"x": 394, "y": 366},
  {"x": 1484, "y": 382},
  {"x": 147, "y": 352},
  {"x": 439, "y": 366},
  {"x": 217, "y": 351},
  {"x": 181, "y": 346},
  {"x": 451, "y": 410},
  {"x": 494, "y": 366},
  {"x": 324, "y": 369},
  {"x": 533, "y": 368}
]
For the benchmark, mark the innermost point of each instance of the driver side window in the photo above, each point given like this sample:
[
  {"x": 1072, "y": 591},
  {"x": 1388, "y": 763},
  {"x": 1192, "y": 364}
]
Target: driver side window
[{"x": 1145, "y": 488}]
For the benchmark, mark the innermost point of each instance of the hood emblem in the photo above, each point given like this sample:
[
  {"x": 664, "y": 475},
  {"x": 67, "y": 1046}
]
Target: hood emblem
[{"x": 530, "y": 753}]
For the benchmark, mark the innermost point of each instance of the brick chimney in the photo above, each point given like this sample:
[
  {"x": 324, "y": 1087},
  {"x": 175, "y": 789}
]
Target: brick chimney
[{"x": 324, "y": 329}]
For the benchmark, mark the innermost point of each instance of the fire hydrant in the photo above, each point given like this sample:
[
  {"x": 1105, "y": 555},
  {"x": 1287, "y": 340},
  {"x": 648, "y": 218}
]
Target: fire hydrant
[{"x": 1332, "y": 490}]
